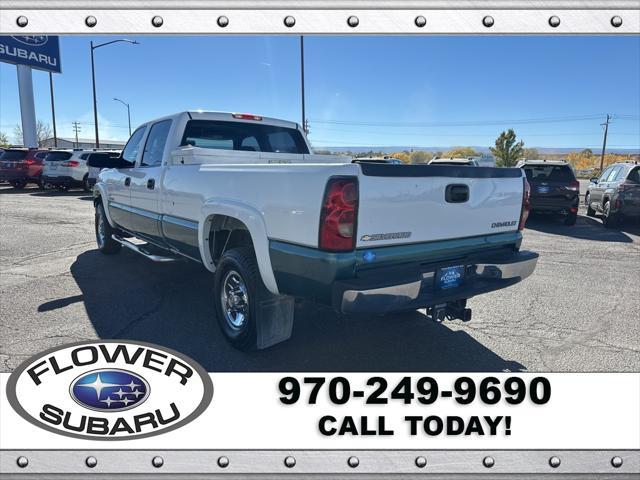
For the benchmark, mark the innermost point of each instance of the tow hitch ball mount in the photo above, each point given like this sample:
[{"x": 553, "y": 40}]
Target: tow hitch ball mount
[{"x": 450, "y": 311}]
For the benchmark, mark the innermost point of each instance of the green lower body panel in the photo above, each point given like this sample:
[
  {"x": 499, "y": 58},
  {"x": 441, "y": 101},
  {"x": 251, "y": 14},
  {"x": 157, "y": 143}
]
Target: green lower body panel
[{"x": 311, "y": 273}]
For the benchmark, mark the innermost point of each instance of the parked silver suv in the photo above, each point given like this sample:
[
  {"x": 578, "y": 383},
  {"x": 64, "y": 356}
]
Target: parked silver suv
[{"x": 615, "y": 194}]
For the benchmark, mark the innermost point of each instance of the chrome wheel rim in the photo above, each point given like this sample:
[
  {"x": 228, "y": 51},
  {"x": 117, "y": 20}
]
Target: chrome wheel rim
[
  {"x": 235, "y": 300},
  {"x": 100, "y": 229}
]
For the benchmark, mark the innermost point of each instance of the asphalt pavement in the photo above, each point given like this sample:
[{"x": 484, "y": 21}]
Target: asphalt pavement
[{"x": 578, "y": 312}]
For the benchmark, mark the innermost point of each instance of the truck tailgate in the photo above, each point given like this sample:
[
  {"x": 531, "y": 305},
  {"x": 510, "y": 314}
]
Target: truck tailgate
[{"x": 423, "y": 203}]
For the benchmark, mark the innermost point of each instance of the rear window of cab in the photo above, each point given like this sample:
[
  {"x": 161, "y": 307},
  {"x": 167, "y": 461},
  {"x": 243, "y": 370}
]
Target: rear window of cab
[{"x": 243, "y": 136}]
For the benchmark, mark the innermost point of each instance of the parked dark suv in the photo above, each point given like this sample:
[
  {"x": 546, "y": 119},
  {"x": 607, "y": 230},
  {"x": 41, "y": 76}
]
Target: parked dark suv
[
  {"x": 20, "y": 166},
  {"x": 616, "y": 194},
  {"x": 554, "y": 188}
]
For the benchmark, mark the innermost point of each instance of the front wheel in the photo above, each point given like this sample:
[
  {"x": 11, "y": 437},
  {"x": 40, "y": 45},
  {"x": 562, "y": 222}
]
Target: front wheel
[
  {"x": 590, "y": 211},
  {"x": 19, "y": 184},
  {"x": 238, "y": 293},
  {"x": 104, "y": 232}
]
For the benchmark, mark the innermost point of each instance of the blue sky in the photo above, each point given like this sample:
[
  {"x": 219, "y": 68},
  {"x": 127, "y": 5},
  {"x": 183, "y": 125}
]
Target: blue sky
[{"x": 380, "y": 91}]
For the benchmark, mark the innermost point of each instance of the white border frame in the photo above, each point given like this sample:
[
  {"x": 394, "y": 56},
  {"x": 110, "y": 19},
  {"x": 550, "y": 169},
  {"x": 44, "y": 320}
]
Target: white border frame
[
  {"x": 320, "y": 17},
  {"x": 318, "y": 21}
]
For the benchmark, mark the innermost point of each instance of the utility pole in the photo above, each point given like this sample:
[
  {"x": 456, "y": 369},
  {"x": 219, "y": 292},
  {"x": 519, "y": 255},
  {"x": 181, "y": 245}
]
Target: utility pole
[
  {"x": 53, "y": 111},
  {"x": 604, "y": 141},
  {"x": 76, "y": 128},
  {"x": 304, "y": 117}
]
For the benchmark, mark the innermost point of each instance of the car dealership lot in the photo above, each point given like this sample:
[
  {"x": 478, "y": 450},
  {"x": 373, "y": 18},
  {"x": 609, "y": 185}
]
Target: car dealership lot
[{"x": 578, "y": 312}]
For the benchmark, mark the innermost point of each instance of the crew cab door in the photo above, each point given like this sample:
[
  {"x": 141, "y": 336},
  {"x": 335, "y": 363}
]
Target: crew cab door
[
  {"x": 118, "y": 182},
  {"x": 145, "y": 184}
]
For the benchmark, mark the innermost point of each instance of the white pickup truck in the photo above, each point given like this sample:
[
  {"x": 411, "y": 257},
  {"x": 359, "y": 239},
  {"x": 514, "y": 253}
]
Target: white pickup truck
[{"x": 245, "y": 196}]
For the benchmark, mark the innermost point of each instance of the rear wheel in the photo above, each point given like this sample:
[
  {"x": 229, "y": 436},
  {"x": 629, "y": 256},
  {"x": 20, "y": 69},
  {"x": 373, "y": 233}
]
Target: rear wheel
[
  {"x": 18, "y": 184},
  {"x": 571, "y": 219},
  {"x": 609, "y": 219},
  {"x": 104, "y": 232},
  {"x": 238, "y": 292},
  {"x": 85, "y": 183},
  {"x": 590, "y": 211}
]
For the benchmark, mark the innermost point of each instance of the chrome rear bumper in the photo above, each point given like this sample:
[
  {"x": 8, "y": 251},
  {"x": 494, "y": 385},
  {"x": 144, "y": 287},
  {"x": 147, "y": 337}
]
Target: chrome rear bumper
[{"x": 482, "y": 276}]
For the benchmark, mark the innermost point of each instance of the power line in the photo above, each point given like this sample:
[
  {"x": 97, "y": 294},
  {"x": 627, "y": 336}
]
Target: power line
[{"x": 567, "y": 118}]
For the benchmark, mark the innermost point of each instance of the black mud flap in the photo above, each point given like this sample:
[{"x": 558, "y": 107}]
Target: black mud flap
[{"x": 276, "y": 321}]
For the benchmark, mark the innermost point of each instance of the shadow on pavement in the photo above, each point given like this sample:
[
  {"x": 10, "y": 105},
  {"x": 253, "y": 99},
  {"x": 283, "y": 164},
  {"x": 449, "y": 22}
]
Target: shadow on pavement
[
  {"x": 128, "y": 297},
  {"x": 586, "y": 228},
  {"x": 38, "y": 192}
]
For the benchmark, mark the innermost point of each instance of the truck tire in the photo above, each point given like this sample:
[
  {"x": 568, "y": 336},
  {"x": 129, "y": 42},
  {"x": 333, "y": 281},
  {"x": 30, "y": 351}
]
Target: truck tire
[
  {"x": 587, "y": 202},
  {"x": 106, "y": 244},
  {"x": 238, "y": 292},
  {"x": 18, "y": 184}
]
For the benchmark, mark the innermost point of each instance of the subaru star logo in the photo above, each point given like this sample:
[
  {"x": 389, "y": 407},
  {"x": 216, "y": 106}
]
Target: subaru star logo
[
  {"x": 34, "y": 40},
  {"x": 109, "y": 390}
]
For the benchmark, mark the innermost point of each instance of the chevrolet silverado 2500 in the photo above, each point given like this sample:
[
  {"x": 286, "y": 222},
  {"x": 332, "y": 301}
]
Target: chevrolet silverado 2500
[{"x": 245, "y": 196}]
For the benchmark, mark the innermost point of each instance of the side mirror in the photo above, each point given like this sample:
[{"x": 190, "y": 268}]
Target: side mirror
[
  {"x": 104, "y": 160},
  {"x": 594, "y": 180}
]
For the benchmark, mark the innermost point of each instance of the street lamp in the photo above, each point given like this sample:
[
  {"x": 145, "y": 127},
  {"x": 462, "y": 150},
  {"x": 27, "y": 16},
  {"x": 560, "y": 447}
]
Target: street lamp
[
  {"x": 93, "y": 79},
  {"x": 128, "y": 112}
]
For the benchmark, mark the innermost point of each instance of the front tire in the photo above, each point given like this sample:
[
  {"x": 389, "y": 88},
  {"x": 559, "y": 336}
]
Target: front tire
[
  {"x": 19, "y": 184},
  {"x": 238, "y": 292},
  {"x": 104, "y": 232},
  {"x": 590, "y": 211}
]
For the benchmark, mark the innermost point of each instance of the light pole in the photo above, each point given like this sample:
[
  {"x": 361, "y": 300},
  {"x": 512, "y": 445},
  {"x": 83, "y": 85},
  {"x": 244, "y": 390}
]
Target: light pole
[
  {"x": 128, "y": 112},
  {"x": 93, "y": 79}
]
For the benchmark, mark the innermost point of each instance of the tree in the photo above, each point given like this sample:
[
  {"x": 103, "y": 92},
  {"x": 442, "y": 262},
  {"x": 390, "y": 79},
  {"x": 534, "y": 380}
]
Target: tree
[
  {"x": 507, "y": 151},
  {"x": 461, "y": 152},
  {"x": 419, "y": 156},
  {"x": 4, "y": 139},
  {"x": 530, "y": 154},
  {"x": 43, "y": 131}
]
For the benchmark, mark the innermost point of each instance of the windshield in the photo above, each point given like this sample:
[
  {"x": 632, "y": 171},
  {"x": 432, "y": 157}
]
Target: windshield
[
  {"x": 57, "y": 156},
  {"x": 243, "y": 136},
  {"x": 14, "y": 155}
]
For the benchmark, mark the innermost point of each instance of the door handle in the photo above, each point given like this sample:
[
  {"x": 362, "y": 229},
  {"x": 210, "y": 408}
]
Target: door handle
[
  {"x": 456, "y": 193},
  {"x": 127, "y": 181},
  {"x": 151, "y": 183}
]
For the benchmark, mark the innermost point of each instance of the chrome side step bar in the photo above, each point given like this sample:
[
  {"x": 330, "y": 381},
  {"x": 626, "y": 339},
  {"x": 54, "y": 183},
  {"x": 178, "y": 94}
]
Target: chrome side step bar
[{"x": 140, "y": 249}]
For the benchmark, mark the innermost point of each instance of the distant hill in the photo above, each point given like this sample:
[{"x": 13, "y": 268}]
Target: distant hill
[{"x": 483, "y": 150}]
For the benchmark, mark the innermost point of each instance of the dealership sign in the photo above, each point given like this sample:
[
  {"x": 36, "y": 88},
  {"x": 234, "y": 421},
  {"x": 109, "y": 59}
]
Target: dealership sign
[
  {"x": 109, "y": 390},
  {"x": 36, "y": 51}
]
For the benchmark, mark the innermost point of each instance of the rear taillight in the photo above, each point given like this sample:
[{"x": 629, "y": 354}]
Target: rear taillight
[
  {"x": 574, "y": 185},
  {"x": 29, "y": 162},
  {"x": 70, "y": 163},
  {"x": 526, "y": 204},
  {"x": 339, "y": 214}
]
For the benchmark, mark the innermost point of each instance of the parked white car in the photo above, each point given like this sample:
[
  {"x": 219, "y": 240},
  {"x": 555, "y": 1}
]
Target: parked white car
[
  {"x": 245, "y": 196},
  {"x": 65, "y": 169}
]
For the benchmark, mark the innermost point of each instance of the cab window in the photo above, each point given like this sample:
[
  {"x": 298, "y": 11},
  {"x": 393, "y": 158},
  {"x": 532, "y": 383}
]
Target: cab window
[
  {"x": 154, "y": 146},
  {"x": 605, "y": 175},
  {"x": 634, "y": 175},
  {"x": 131, "y": 149}
]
